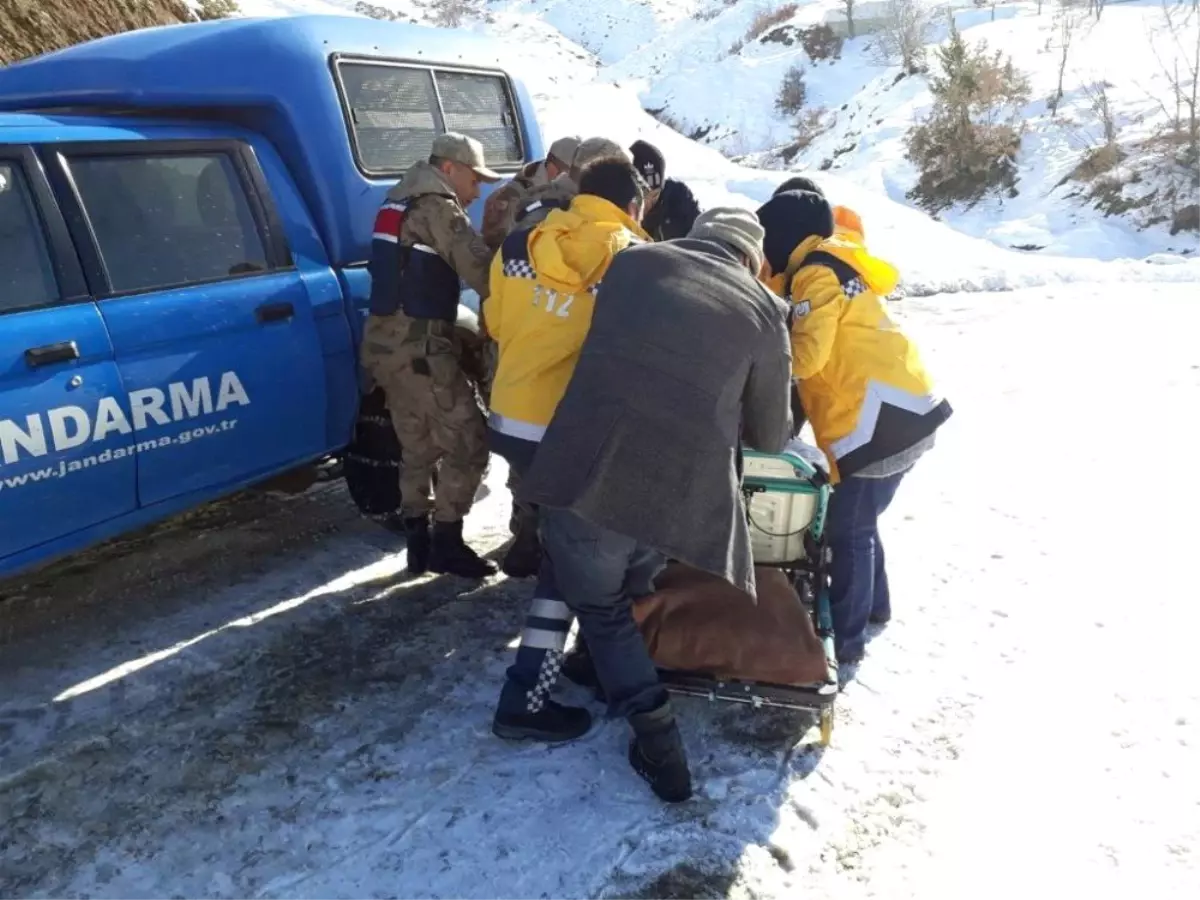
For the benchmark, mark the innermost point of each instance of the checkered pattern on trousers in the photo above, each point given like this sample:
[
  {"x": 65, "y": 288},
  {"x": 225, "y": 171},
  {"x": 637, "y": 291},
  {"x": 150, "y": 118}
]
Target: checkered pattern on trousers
[
  {"x": 547, "y": 676},
  {"x": 518, "y": 268}
]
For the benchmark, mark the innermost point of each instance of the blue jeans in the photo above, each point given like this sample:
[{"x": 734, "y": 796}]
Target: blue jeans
[
  {"x": 600, "y": 573},
  {"x": 858, "y": 577},
  {"x": 532, "y": 676}
]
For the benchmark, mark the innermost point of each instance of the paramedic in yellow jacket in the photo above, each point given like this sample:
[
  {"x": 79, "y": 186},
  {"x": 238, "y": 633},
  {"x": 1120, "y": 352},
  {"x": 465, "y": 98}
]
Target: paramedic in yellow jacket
[
  {"x": 543, "y": 286},
  {"x": 868, "y": 397}
]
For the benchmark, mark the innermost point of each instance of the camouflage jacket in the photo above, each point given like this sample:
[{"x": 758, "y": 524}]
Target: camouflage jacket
[
  {"x": 500, "y": 207},
  {"x": 436, "y": 218},
  {"x": 552, "y": 195}
]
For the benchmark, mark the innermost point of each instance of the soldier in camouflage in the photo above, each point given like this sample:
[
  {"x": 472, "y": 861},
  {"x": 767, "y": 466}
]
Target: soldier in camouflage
[
  {"x": 423, "y": 243},
  {"x": 501, "y": 204}
]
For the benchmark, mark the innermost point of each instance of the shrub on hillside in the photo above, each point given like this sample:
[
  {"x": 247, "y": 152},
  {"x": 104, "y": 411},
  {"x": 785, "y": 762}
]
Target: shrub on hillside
[
  {"x": 792, "y": 92},
  {"x": 810, "y": 125},
  {"x": 767, "y": 19},
  {"x": 821, "y": 42},
  {"x": 452, "y": 13},
  {"x": 381, "y": 13},
  {"x": 967, "y": 145},
  {"x": 210, "y": 10}
]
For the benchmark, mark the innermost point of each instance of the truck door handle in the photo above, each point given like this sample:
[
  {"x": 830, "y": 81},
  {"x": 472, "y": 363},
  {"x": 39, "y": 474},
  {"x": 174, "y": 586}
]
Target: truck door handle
[
  {"x": 51, "y": 353},
  {"x": 274, "y": 312}
]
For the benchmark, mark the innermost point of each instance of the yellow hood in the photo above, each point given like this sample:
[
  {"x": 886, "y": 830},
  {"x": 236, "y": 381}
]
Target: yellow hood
[
  {"x": 571, "y": 250},
  {"x": 880, "y": 276}
]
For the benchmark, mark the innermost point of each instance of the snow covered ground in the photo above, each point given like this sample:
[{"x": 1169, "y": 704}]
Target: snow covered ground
[
  {"x": 256, "y": 702},
  {"x": 220, "y": 711}
]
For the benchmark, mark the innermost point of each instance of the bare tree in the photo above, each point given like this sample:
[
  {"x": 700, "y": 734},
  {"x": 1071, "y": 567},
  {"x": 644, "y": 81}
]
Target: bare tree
[
  {"x": 1183, "y": 77},
  {"x": 848, "y": 6},
  {"x": 906, "y": 28},
  {"x": 1097, "y": 95},
  {"x": 1067, "y": 24}
]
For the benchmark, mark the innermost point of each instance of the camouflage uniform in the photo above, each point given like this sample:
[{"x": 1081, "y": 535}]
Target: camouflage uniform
[
  {"x": 500, "y": 207},
  {"x": 419, "y": 362}
]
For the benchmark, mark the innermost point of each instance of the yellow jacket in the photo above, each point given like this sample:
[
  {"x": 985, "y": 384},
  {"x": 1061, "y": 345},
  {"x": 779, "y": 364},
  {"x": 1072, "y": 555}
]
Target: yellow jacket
[
  {"x": 862, "y": 382},
  {"x": 543, "y": 287}
]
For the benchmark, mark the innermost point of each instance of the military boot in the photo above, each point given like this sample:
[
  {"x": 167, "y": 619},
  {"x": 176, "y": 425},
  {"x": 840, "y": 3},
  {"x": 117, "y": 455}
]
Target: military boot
[
  {"x": 416, "y": 541},
  {"x": 450, "y": 555},
  {"x": 656, "y": 753}
]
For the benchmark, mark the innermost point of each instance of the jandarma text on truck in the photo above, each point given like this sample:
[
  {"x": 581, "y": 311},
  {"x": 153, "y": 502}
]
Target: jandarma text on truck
[{"x": 67, "y": 427}]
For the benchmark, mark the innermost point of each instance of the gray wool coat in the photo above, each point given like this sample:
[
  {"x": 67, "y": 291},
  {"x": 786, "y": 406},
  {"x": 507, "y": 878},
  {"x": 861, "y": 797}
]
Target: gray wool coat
[{"x": 686, "y": 353}]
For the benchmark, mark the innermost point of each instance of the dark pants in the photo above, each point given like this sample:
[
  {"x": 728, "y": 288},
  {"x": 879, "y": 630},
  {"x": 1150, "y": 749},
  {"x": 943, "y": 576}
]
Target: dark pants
[
  {"x": 531, "y": 678},
  {"x": 600, "y": 574},
  {"x": 858, "y": 577}
]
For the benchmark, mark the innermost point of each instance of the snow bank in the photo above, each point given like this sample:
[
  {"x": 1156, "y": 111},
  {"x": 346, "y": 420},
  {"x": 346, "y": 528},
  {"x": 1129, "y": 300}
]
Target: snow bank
[{"x": 932, "y": 257}]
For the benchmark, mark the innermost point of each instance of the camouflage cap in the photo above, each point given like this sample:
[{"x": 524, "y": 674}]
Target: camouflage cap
[
  {"x": 465, "y": 150},
  {"x": 564, "y": 148},
  {"x": 598, "y": 148}
]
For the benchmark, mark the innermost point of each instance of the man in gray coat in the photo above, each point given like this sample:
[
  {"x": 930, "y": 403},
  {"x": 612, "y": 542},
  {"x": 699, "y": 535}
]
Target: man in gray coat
[{"x": 687, "y": 357}]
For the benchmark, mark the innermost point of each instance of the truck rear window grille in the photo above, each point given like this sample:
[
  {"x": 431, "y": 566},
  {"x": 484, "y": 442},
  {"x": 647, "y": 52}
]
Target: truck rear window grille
[
  {"x": 394, "y": 113},
  {"x": 479, "y": 105}
]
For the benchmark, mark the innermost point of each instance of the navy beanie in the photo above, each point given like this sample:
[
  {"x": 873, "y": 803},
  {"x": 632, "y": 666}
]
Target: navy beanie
[
  {"x": 649, "y": 162},
  {"x": 788, "y": 219},
  {"x": 799, "y": 183}
]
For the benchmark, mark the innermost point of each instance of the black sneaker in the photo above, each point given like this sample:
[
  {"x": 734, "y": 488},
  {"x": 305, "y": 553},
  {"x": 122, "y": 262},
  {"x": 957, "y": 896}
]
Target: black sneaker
[
  {"x": 416, "y": 542},
  {"x": 449, "y": 555},
  {"x": 656, "y": 753},
  {"x": 554, "y": 724}
]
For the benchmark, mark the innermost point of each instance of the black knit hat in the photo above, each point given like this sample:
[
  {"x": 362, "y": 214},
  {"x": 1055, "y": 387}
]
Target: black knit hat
[
  {"x": 788, "y": 219},
  {"x": 800, "y": 183},
  {"x": 649, "y": 162}
]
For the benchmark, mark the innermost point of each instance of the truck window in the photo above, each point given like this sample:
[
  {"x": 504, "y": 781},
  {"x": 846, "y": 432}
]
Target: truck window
[
  {"x": 392, "y": 110},
  {"x": 394, "y": 113},
  {"x": 478, "y": 105},
  {"x": 169, "y": 220},
  {"x": 26, "y": 273}
]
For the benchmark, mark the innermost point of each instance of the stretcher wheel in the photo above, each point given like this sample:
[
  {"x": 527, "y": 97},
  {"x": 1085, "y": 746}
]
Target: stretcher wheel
[{"x": 826, "y": 725}]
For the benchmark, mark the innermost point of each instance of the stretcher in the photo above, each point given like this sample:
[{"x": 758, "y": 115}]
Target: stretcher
[{"x": 787, "y": 500}]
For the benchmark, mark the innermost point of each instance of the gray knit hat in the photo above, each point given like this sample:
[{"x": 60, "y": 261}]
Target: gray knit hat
[
  {"x": 597, "y": 148},
  {"x": 732, "y": 225}
]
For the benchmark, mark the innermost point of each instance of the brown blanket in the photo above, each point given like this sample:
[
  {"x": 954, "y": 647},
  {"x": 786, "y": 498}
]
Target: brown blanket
[{"x": 696, "y": 622}]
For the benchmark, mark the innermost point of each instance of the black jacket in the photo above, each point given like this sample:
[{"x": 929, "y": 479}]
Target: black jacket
[{"x": 674, "y": 213}]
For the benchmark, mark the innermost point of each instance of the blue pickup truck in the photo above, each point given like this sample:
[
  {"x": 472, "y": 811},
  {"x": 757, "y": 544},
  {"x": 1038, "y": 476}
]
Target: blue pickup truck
[{"x": 185, "y": 219}]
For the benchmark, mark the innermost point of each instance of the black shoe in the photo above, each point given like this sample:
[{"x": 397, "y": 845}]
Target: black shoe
[
  {"x": 879, "y": 618},
  {"x": 449, "y": 555},
  {"x": 656, "y": 753},
  {"x": 524, "y": 556},
  {"x": 553, "y": 723},
  {"x": 579, "y": 668},
  {"x": 417, "y": 541}
]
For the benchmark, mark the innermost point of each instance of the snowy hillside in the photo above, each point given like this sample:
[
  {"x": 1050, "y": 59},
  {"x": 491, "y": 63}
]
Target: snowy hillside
[{"x": 697, "y": 65}]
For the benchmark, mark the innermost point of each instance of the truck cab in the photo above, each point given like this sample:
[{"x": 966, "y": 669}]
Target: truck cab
[{"x": 185, "y": 224}]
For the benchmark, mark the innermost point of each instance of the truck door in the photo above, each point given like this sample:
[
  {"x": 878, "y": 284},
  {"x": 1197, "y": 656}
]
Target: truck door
[
  {"x": 212, "y": 327},
  {"x": 67, "y": 461}
]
